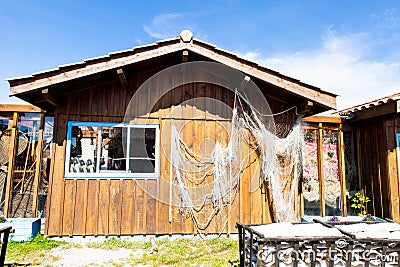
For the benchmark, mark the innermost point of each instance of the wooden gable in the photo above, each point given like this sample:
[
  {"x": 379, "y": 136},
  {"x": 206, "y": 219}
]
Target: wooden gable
[{"x": 47, "y": 89}]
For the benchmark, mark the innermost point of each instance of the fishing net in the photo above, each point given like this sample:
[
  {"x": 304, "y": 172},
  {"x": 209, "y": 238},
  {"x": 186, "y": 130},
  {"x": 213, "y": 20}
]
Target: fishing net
[
  {"x": 214, "y": 180},
  {"x": 207, "y": 165}
]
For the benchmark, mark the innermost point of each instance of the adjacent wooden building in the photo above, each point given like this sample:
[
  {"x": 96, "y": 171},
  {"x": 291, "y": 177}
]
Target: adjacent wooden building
[
  {"x": 375, "y": 128},
  {"x": 88, "y": 194}
]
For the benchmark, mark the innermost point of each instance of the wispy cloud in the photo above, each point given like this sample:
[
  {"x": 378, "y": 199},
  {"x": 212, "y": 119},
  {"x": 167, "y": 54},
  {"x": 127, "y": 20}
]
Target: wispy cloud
[
  {"x": 388, "y": 19},
  {"x": 340, "y": 65},
  {"x": 169, "y": 25},
  {"x": 164, "y": 26}
]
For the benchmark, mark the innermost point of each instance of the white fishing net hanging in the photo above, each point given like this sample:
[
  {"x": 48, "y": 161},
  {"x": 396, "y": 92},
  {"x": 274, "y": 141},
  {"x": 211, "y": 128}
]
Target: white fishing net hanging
[{"x": 214, "y": 180}]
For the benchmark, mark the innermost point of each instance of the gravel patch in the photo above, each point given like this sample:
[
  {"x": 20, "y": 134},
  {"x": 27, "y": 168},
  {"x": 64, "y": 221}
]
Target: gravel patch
[{"x": 85, "y": 256}]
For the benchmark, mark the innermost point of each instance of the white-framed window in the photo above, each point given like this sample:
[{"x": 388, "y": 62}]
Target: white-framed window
[{"x": 112, "y": 150}]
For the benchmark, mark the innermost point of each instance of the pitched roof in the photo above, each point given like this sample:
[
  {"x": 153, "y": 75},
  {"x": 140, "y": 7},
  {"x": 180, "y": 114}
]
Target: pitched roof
[
  {"x": 384, "y": 106},
  {"x": 370, "y": 104},
  {"x": 64, "y": 73}
]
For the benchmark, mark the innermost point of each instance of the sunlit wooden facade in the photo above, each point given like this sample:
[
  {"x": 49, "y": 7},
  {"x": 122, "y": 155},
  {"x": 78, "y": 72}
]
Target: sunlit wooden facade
[{"x": 99, "y": 90}]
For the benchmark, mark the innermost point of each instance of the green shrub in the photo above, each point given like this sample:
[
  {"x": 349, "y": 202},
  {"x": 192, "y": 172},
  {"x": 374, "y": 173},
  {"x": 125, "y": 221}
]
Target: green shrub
[{"x": 359, "y": 203}]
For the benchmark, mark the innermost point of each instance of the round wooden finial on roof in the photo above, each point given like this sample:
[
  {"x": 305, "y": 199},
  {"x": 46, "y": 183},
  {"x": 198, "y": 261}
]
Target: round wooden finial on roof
[{"x": 186, "y": 36}]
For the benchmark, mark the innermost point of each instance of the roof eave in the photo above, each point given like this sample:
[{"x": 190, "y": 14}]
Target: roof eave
[
  {"x": 116, "y": 60},
  {"x": 18, "y": 87},
  {"x": 389, "y": 108},
  {"x": 325, "y": 99}
]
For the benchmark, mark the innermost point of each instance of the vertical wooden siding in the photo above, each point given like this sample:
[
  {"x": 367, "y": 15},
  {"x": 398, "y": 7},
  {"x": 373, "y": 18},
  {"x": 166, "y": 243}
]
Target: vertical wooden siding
[
  {"x": 378, "y": 168},
  {"x": 123, "y": 206},
  {"x": 392, "y": 126}
]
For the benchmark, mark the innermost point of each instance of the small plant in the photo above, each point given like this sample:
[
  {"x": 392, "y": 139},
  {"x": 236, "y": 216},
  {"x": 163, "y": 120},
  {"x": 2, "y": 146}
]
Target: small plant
[
  {"x": 2, "y": 217},
  {"x": 368, "y": 218},
  {"x": 359, "y": 203},
  {"x": 333, "y": 219}
]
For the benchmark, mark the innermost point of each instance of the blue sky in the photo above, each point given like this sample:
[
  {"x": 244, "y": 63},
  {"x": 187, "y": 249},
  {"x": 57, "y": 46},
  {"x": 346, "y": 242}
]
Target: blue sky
[{"x": 347, "y": 47}]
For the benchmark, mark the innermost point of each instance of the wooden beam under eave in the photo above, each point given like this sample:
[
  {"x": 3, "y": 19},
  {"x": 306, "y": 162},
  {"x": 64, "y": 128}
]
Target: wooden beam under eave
[
  {"x": 185, "y": 55},
  {"x": 19, "y": 108},
  {"x": 323, "y": 119},
  {"x": 304, "y": 107},
  {"x": 122, "y": 79},
  {"x": 51, "y": 97}
]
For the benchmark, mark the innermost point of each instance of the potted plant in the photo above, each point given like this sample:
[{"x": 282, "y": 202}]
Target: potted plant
[{"x": 359, "y": 203}]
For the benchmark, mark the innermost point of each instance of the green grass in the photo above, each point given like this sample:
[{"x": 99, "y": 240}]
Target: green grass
[
  {"x": 171, "y": 252},
  {"x": 192, "y": 252},
  {"x": 116, "y": 243},
  {"x": 26, "y": 252},
  {"x": 180, "y": 252}
]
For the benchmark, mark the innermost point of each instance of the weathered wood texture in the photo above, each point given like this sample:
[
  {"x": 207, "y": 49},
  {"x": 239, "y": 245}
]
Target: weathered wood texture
[
  {"x": 378, "y": 164},
  {"x": 129, "y": 206}
]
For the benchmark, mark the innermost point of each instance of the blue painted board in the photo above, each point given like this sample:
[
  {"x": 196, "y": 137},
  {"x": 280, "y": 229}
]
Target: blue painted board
[{"x": 24, "y": 228}]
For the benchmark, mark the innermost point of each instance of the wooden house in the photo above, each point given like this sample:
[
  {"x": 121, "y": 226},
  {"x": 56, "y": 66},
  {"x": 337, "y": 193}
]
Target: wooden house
[
  {"x": 375, "y": 131},
  {"x": 88, "y": 98}
]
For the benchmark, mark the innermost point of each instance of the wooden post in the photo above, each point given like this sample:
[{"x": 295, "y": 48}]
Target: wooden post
[
  {"x": 301, "y": 205},
  {"x": 5, "y": 233},
  {"x": 359, "y": 160},
  {"x": 11, "y": 161},
  {"x": 38, "y": 166},
  {"x": 342, "y": 170},
  {"x": 33, "y": 138},
  {"x": 297, "y": 208},
  {"x": 321, "y": 176},
  {"x": 24, "y": 171}
]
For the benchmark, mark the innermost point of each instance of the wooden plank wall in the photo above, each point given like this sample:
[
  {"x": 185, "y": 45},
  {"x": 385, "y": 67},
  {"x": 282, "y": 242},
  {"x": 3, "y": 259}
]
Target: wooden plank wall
[
  {"x": 378, "y": 168},
  {"x": 392, "y": 126},
  {"x": 127, "y": 207}
]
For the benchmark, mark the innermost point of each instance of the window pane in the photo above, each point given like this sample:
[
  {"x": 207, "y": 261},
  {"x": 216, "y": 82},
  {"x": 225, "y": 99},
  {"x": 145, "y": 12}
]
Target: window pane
[
  {"x": 83, "y": 149},
  {"x": 310, "y": 185},
  {"x": 112, "y": 152},
  {"x": 142, "y": 150},
  {"x": 331, "y": 173}
]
